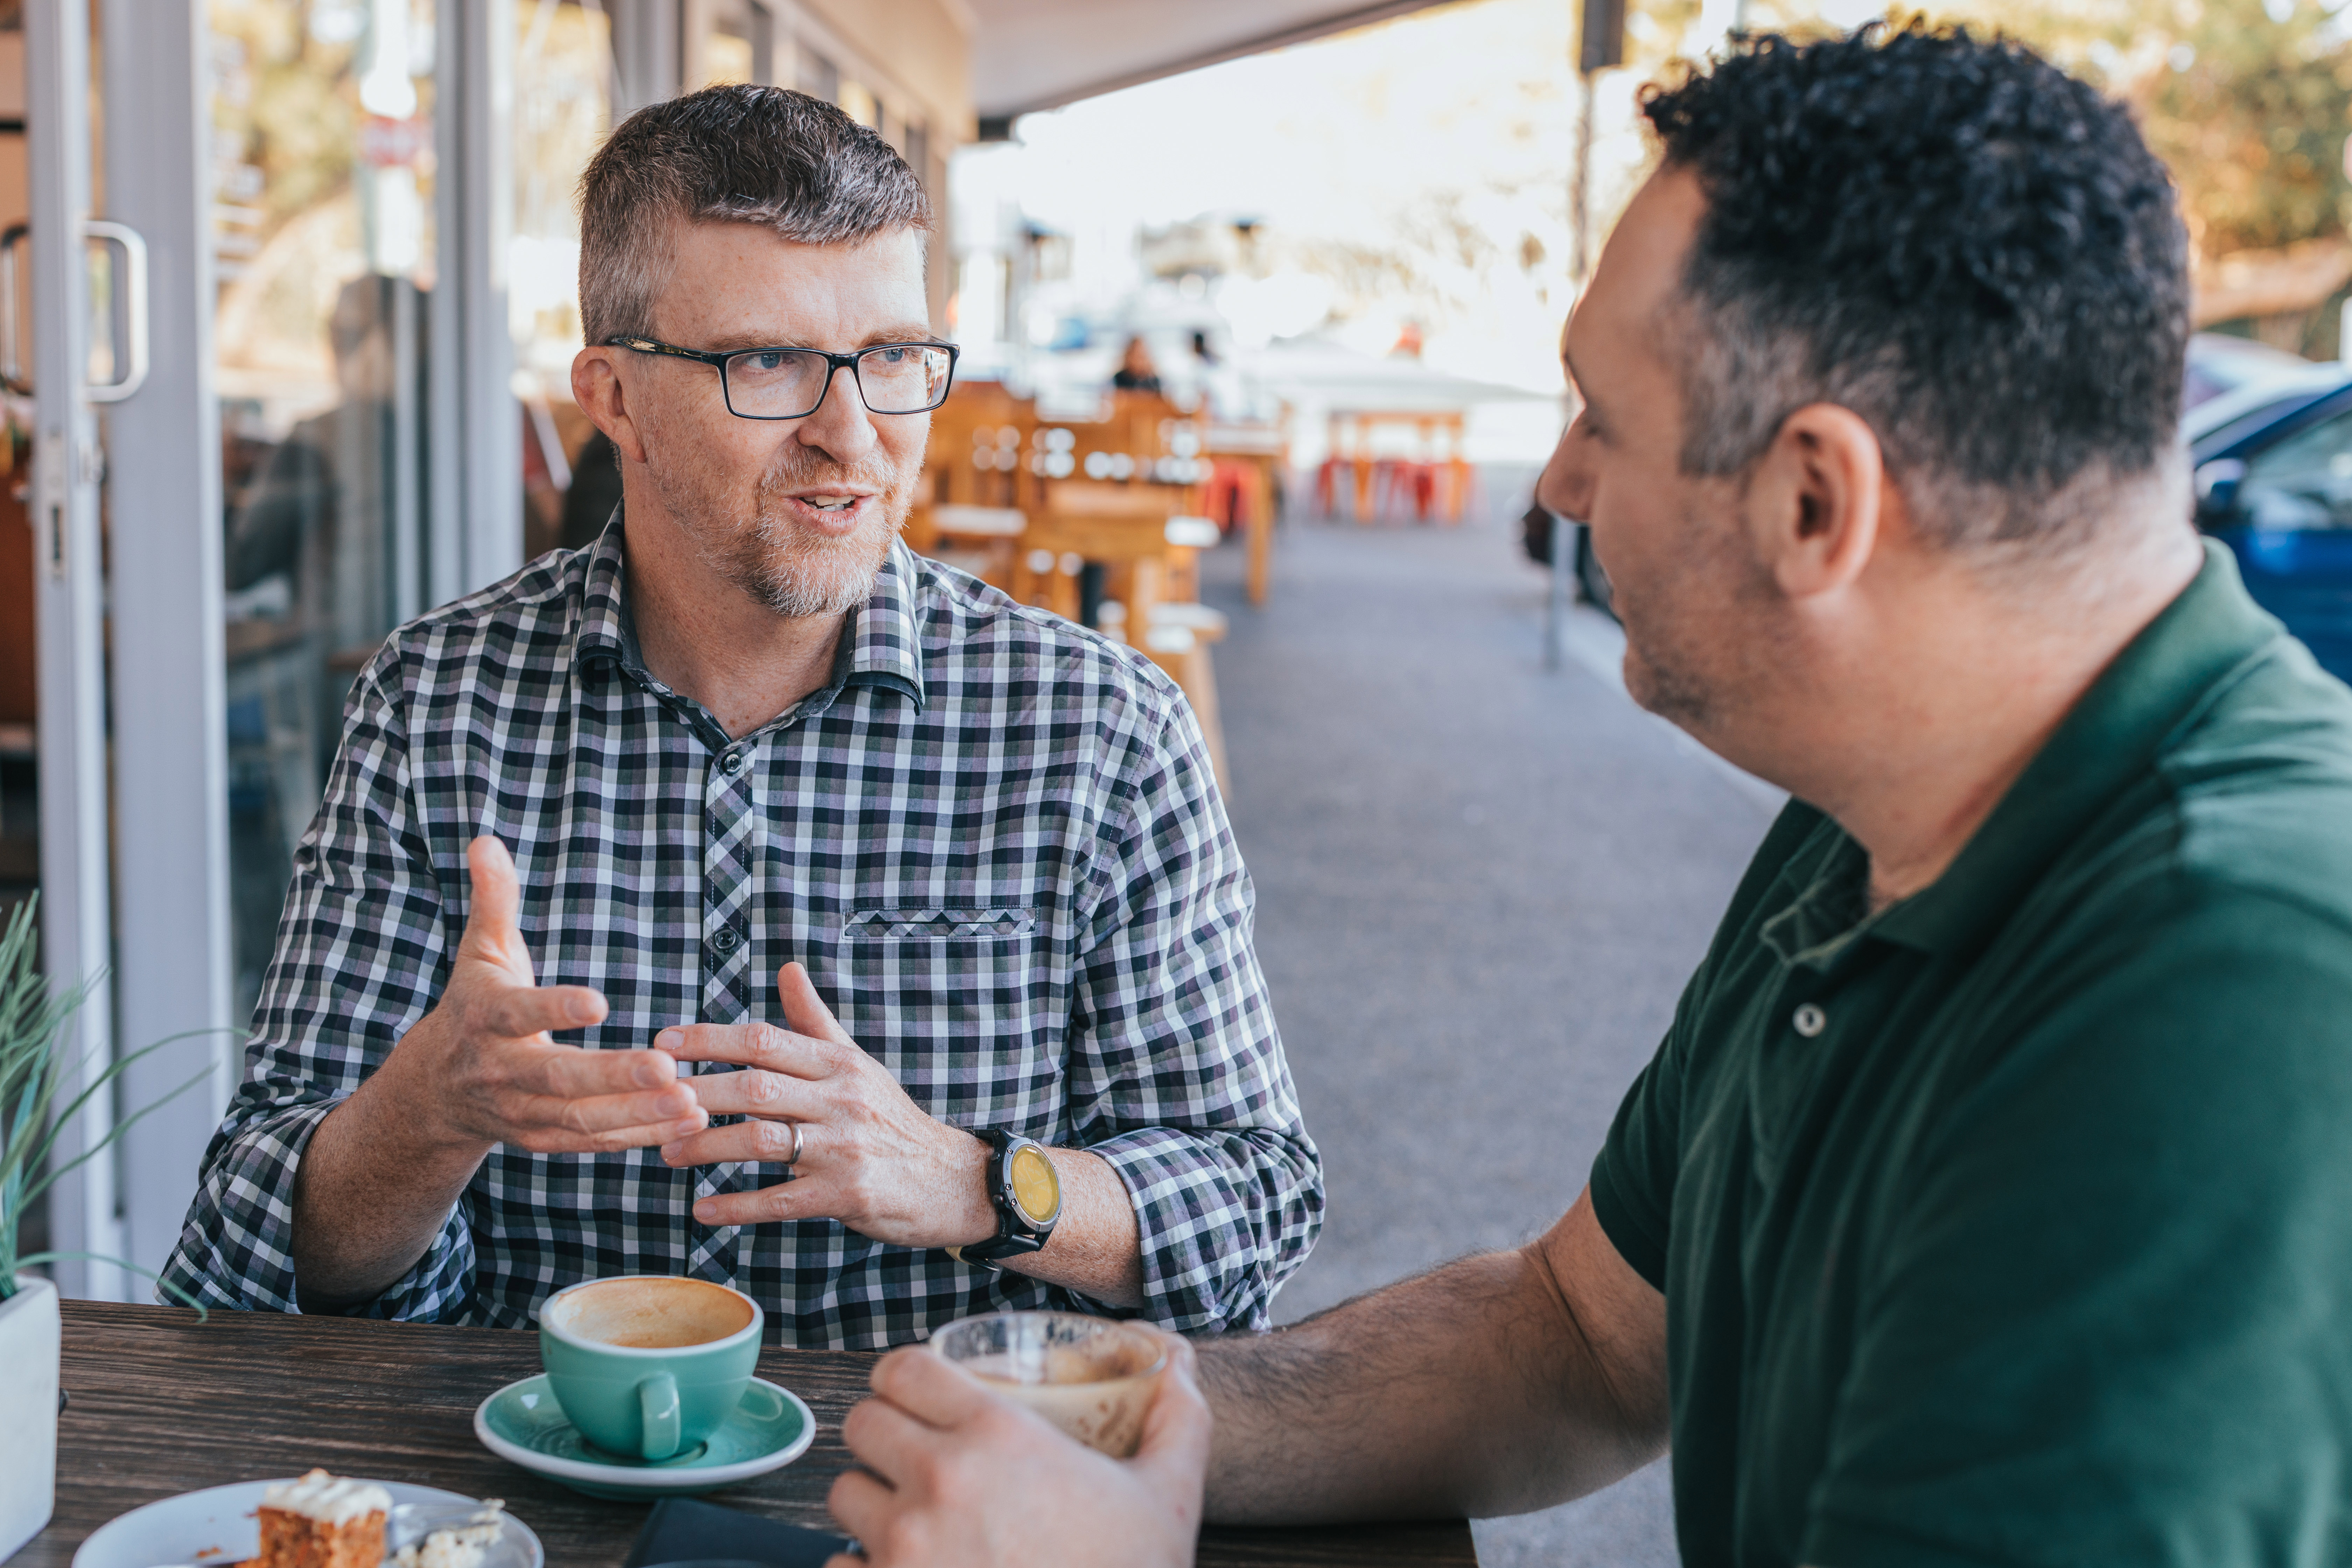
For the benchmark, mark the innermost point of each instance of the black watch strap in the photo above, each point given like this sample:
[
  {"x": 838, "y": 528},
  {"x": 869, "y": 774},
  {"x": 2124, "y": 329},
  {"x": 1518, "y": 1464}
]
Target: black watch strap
[{"x": 1015, "y": 1234}]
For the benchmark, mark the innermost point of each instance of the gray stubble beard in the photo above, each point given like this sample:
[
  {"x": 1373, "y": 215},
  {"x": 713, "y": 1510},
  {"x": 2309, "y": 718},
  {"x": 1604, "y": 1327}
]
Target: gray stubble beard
[{"x": 795, "y": 575}]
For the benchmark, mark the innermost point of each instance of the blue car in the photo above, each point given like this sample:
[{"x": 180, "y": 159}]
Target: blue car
[{"x": 2273, "y": 472}]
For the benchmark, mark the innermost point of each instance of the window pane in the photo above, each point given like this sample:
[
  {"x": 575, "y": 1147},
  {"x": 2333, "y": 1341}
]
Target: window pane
[
  {"x": 2303, "y": 482},
  {"x": 727, "y": 47},
  {"x": 562, "y": 109},
  {"x": 323, "y": 176},
  {"x": 819, "y": 77}
]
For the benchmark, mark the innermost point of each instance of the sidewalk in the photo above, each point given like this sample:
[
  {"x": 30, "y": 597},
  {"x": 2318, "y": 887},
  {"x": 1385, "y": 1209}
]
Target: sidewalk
[{"x": 1481, "y": 887}]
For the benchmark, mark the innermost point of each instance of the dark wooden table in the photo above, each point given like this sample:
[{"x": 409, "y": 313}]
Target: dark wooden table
[{"x": 162, "y": 1403}]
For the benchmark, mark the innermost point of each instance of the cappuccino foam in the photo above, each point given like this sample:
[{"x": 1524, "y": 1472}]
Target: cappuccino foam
[{"x": 650, "y": 1313}]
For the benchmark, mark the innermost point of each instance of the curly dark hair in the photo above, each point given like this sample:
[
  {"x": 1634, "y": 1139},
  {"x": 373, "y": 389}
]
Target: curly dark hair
[{"x": 1947, "y": 236}]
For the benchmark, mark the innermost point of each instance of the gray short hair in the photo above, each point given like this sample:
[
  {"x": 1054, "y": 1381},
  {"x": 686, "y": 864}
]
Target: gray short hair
[{"x": 791, "y": 163}]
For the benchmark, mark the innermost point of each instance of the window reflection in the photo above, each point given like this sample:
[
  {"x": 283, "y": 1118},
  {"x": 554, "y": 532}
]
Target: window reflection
[
  {"x": 324, "y": 235},
  {"x": 563, "y": 74},
  {"x": 2303, "y": 483}
]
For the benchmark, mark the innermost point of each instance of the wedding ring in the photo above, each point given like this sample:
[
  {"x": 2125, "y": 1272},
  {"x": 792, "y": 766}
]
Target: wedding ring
[{"x": 796, "y": 1149}]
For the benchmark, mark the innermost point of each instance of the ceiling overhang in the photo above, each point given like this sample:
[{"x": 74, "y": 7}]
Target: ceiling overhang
[{"x": 1028, "y": 55}]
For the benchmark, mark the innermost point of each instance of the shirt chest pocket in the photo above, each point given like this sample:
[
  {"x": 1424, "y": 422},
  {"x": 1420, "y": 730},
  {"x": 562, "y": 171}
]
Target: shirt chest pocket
[
  {"x": 969, "y": 925},
  {"x": 977, "y": 1001}
]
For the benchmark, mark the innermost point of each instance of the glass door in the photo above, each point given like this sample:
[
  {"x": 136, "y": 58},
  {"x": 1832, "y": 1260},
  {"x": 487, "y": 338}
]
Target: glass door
[{"x": 323, "y": 241}]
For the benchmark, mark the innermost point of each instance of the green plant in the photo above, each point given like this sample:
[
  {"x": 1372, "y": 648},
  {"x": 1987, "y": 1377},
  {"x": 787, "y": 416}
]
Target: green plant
[{"x": 34, "y": 1071}]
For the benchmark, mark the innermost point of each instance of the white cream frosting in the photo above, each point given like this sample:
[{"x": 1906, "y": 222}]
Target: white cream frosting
[
  {"x": 331, "y": 1500},
  {"x": 464, "y": 1547},
  {"x": 460, "y": 1546}
]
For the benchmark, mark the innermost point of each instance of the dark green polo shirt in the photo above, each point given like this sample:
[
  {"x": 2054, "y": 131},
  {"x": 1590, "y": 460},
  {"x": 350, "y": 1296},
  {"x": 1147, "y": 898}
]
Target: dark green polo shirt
[{"x": 2014, "y": 1224}]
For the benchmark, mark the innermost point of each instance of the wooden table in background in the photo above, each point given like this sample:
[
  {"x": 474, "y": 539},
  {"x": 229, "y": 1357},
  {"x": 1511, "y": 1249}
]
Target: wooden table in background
[
  {"x": 163, "y": 1405},
  {"x": 1263, "y": 453}
]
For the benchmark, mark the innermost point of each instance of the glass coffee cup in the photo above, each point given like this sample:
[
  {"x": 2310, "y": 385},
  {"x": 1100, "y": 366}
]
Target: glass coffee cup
[{"x": 1094, "y": 1378}]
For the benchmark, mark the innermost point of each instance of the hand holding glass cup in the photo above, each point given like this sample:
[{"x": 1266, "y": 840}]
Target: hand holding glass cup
[{"x": 1094, "y": 1378}]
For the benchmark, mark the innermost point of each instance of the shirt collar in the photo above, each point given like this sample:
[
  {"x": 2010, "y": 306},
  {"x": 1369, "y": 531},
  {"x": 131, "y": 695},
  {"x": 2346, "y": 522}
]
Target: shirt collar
[
  {"x": 882, "y": 646},
  {"x": 2121, "y": 726}
]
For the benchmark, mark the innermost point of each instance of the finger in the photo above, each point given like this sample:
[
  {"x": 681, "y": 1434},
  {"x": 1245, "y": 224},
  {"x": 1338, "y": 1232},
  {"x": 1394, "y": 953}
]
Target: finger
[
  {"x": 561, "y": 1141},
  {"x": 768, "y": 1142},
  {"x": 928, "y": 1387},
  {"x": 1176, "y": 1429},
  {"x": 776, "y": 1202},
  {"x": 569, "y": 1072},
  {"x": 804, "y": 1010},
  {"x": 887, "y": 1441},
  {"x": 748, "y": 1044},
  {"x": 671, "y": 1107},
  {"x": 520, "y": 1012},
  {"x": 861, "y": 1505},
  {"x": 493, "y": 919},
  {"x": 756, "y": 1092}
]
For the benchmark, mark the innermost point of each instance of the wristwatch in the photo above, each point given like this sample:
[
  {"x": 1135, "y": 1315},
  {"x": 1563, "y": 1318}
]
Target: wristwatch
[{"x": 1027, "y": 1192}]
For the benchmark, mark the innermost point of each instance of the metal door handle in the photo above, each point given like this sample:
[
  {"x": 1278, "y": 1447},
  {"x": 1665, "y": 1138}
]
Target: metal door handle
[
  {"x": 132, "y": 293},
  {"x": 12, "y": 358},
  {"x": 131, "y": 367}
]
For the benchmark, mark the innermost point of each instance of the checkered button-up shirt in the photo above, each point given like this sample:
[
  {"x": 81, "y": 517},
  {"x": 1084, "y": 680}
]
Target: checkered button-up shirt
[{"x": 995, "y": 840}]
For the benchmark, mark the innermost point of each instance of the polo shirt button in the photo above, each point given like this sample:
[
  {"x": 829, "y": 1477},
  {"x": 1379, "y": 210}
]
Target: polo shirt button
[
  {"x": 732, "y": 761},
  {"x": 1809, "y": 1020},
  {"x": 726, "y": 938}
]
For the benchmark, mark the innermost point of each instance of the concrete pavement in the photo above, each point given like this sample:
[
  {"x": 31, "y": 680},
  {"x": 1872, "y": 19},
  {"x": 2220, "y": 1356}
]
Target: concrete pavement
[{"x": 1481, "y": 887}]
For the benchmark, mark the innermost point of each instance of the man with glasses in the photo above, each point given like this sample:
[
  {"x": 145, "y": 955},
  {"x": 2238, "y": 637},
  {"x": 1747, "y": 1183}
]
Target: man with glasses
[{"x": 1018, "y": 1052}]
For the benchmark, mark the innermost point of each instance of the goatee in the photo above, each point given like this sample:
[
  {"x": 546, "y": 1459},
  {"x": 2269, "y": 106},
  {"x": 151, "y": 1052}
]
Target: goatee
[{"x": 795, "y": 571}]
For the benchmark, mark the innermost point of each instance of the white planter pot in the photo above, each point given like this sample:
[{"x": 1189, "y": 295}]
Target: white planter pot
[{"x": 29, "y": 1345}]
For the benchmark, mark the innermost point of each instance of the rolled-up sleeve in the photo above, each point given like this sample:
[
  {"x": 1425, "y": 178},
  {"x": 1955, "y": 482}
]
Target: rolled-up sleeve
[
  {"x": 1177, "y": 1074},
  {"x": 359, "y": 956}
]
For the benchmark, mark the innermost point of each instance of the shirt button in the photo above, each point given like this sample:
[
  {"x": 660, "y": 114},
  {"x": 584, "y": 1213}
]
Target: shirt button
[
  {"x": 732, "y": 761},
  {"x": 726, "y": 938},
  {"x": 1809, "y": 1020}
]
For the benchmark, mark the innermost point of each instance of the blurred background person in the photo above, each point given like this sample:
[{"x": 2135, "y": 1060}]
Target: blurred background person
[{"x": 1136, "y": 371}]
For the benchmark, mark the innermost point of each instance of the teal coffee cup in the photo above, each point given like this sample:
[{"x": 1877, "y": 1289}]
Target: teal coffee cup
[{"x": 647, "y": 1364}]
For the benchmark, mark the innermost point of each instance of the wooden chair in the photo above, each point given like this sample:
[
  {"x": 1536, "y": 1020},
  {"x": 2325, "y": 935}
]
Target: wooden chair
[
  {"x": 1153, "y": 550},
  {"x": 967, "y": 509}
]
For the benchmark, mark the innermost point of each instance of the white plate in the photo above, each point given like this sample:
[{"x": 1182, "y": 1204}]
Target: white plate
[{"x": 217, "y": 1525}]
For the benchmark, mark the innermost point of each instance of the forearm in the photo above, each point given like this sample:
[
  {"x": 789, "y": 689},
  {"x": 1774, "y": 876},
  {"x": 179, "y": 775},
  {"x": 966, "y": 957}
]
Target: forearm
[
  {"x": 371, "y": 1194},
  {"x": 1468, "y": 1391},
  {"x": 1096, "y": 1249}
]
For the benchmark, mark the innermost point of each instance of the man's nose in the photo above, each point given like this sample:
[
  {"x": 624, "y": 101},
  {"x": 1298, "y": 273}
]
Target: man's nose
[
  {"x": 842, "y": 427},
  {"x": 1566, "y": 486}
]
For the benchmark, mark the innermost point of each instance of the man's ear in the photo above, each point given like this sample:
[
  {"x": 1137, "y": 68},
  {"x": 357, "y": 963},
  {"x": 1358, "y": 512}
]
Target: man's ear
[
  {"x": 1817, "y": 499},
  {"x": 597, "y": 388}
]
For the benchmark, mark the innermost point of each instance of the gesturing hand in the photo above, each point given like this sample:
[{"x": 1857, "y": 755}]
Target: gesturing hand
[
  {"x": 956, "y": 1475},
  {"x": 870, "y": 1157},
  {"x": 490, "y": 1072}
]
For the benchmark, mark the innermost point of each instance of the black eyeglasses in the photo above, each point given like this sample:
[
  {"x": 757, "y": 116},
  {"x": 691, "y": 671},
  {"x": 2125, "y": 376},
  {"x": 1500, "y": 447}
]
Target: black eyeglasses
[{"x": 792, "y": 383}]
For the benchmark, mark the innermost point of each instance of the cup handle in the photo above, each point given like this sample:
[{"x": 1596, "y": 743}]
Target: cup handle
[{"x": 657, "y": 1399}]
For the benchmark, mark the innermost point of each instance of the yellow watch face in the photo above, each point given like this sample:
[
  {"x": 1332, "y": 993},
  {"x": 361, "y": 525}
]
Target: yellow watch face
[{"x": 1036, "y": 1187}]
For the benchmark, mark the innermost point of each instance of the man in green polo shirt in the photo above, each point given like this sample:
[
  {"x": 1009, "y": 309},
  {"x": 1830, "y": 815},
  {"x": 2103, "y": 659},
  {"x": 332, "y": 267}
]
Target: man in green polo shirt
[{"x": 1989, "y": 1200}]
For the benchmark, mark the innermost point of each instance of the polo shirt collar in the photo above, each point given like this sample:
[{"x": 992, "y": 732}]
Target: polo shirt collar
[
  {"x": 2117, "y": 729},
  {"x": 882, "y": 648}
]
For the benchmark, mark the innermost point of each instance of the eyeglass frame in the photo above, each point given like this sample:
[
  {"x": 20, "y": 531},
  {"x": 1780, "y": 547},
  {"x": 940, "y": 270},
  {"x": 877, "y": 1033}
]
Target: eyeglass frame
[{"x": 834, "y": 364}]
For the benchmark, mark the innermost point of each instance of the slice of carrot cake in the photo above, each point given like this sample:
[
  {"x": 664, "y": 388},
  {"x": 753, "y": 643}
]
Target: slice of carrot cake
[{"x": 322, "y": 1522}]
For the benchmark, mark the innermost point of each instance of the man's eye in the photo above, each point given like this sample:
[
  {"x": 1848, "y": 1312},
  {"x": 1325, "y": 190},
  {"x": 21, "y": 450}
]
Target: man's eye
[
  {"x": 893, "y": 357},
  {"x": 766, "y": 362}
]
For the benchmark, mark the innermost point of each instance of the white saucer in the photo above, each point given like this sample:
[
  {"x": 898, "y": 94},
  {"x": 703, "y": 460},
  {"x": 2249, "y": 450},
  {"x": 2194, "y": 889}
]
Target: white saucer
[
  {"x": 769, "y": 1429},
  {"x": 216, "y": 1526}
]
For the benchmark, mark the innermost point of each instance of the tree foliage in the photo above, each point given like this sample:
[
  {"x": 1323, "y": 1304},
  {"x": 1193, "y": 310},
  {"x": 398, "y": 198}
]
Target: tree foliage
[{"x": 2248, "y": 101}]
